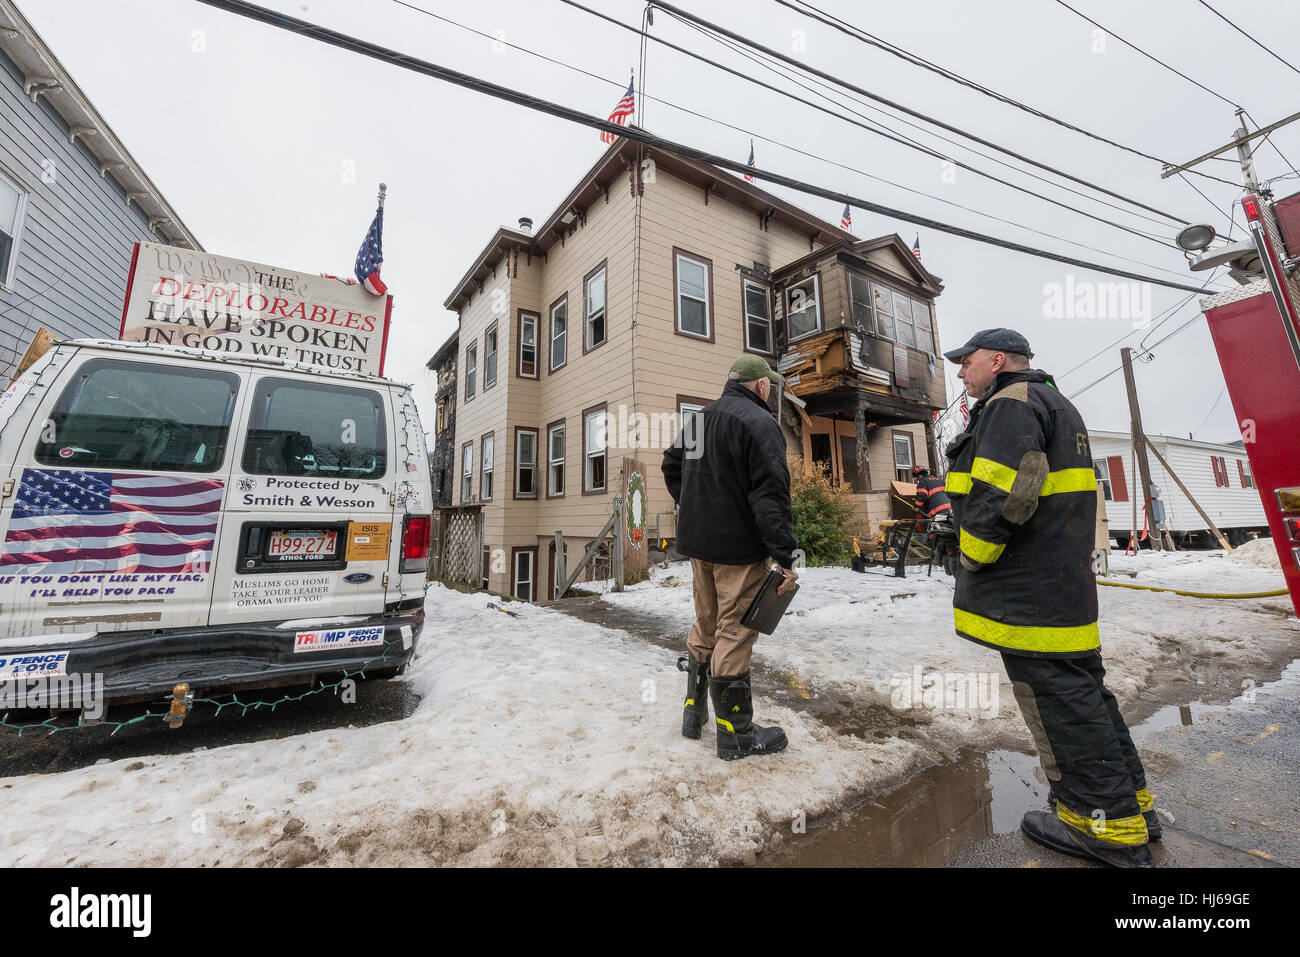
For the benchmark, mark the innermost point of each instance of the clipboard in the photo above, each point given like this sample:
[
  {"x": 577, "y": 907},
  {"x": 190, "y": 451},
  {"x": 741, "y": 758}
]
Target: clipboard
[{"x": 765, "y": 611}]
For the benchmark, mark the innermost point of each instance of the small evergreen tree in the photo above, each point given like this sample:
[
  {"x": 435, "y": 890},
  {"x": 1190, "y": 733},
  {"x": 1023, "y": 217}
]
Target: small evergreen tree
[{"x": 824, "y": 522}]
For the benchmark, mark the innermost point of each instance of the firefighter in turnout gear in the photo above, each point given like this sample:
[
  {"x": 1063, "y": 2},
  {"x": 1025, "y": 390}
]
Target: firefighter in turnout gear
[
  {"x": 931, "y": 501},
  {"x": 1024, "y": 502}
]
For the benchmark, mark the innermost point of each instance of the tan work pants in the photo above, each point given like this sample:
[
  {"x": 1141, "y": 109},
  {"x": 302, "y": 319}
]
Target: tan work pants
[{"x": 722, "y": 596}]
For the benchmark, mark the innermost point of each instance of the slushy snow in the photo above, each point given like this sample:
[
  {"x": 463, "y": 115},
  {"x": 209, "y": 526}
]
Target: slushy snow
[{"x": 545, "y": 740}]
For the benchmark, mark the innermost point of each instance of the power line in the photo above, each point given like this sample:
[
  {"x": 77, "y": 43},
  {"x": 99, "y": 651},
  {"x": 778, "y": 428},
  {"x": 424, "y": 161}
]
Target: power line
[
  {"x": 1270, "y": 143},
  {"x": 1112, "y": 372},
  {"x": 1212, "y": 408},
  {"x": 1149, "y": 56},
  {"x": 414, "y": 64},
  {"x": 782, "y": 145},
  {"x": 711, "y": 119},
  {"x": 1164, "y": 314},
  {"x": 874, "y": 127},
  {"x": 849, "y": 29},
  {"x": 755, "y": 45},
  {"x": 1248, "y": 37}
]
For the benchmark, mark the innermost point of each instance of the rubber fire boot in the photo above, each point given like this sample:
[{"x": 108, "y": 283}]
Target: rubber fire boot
[
  {"x": 1045, "y": 828},
  {"x": 733, "y": 709},
  {"x": 696, "y": 709},
  {"x": 1154, "y": 830}
]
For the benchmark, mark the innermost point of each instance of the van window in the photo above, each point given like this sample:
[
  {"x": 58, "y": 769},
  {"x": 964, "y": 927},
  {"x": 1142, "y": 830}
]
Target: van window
[
  {"x": 308, "y": 428},
  {"x": 138, "y": 415}
]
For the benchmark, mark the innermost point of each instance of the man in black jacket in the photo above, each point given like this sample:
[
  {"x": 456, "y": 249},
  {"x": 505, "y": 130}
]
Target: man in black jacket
[
  {"x": 1024, "y": 498},
  {"x": 727, "y": 473}
]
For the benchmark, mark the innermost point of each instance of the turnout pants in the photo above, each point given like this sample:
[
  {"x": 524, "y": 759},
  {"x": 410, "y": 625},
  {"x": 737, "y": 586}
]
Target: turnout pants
[
  {"x": 722, "y": 595},
  {"x": 1083, "y": 744}
]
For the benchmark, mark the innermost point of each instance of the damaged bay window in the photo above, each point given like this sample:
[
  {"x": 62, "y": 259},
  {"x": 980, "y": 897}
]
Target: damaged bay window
[{"x": 802, "y": 309}]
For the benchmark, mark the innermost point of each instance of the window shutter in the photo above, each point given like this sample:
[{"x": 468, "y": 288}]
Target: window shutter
[
  {"x": 1241, "y": 473},
  {"x": 1214, "y": 464},
  {"x": 1118, "y": 483}
]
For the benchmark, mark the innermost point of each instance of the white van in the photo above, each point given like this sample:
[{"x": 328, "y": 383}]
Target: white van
[{"x": 171, "y": 516}]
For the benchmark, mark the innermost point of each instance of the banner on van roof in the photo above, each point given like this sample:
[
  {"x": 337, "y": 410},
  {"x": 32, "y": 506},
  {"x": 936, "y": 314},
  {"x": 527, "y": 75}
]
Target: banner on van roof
[{"x": 181, "y": 297}]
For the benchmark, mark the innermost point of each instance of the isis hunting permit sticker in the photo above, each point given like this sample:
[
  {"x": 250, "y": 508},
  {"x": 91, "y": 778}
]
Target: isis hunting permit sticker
[{"x": 368, "y": 541}]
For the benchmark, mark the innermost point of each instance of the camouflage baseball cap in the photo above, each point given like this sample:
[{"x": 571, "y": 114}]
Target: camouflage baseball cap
[{"x": 751, "y": 368}]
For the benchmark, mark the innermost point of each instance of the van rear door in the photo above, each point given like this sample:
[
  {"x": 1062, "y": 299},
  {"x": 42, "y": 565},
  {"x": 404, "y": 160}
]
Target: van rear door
[
  {"x": 114, "y": 512},
  {"x": 310, "y": 518}
]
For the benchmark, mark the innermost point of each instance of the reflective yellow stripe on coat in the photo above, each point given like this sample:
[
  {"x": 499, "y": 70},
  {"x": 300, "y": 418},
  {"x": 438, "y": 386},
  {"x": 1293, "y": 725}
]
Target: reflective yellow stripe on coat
[
  {"x": 1041, "y": 638},
  {"x": 1003, "y": 477},
  {"x": 976, "y": 549}
]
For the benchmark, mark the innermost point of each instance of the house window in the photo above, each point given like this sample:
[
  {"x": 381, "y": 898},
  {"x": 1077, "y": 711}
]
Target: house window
[
  {"x": 524, "y": 574},
  {"x": 593, "y": 449},
  {"x": 802, "y": 312},
  {"x": 467, "y": 472},
  {"x": 903, "y": 320},
  {"x": 485, "y": 470},
  {"x": 903, "y": 456},
  {"x": 1103, "y": 480},
  {"x": 555, "y": 470},
  {"x": 471, "y": 371},
  {"x": 882, "y": 301},
  {"x": 559, "y": 333},
  {"x": 490, "y": 357},
  {"x": 13, "y": 204},
  {"x": 758, "y": 317},
  {"x": 688, "y": 414},
  {"x": 525, "y": 463},
  {"x": 1243, "y": 471},
  {"x": 860, "y": 302},
  {"x": 594, "y": 308},
  {"x": 442, "y": 416},
  {"x": 692, "y": 276},
  {"x": 1220, "y": 471},
  {"x": 528, "y": 344},
  {"x": 921, "y": 317}
]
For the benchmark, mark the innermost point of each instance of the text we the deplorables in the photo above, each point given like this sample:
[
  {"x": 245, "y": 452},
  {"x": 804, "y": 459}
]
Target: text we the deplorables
[{"x": 221, "y": 313}]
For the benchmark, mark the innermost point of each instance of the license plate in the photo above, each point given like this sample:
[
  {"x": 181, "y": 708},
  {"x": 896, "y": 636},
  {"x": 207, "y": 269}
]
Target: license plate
[{"x": 301, "y": 545}]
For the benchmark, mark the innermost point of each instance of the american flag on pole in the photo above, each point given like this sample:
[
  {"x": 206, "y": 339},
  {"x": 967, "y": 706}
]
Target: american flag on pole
[
  {"x": 71, "y": 522},
  {"x": 916, "y": 246},
  {"x": 371, "y": 256},
  {"x": 846, "y": 221},
  {"x": 622, "y": 110},
  {"x": 965, "y": 411},
  {"x": 750, "y": 164}
]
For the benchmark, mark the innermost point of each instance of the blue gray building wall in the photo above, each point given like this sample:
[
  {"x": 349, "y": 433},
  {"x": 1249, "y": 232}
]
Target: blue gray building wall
[{"x": 74, "y": 251}]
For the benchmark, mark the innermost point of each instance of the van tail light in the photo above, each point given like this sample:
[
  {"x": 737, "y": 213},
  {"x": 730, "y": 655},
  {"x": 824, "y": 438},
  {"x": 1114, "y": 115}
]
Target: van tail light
[{"x": 415, "y": 543}]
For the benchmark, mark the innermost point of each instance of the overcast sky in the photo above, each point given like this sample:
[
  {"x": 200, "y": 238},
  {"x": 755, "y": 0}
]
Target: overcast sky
[{"x": 270, "y": 146}]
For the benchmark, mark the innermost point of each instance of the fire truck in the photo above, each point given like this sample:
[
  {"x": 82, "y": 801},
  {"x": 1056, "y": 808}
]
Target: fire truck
[{"x": 1256, "y": 332}]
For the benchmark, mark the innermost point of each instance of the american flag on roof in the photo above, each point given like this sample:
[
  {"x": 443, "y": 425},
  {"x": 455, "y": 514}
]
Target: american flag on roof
[
  {"x": 622, "y": 110},
  {"x": 916, "y": 246},
  {"x": 371, "y": 256},
  {"x": 846, "y": 221},
  {"x": 72, "y": 522},
  {"x": 750, "y": 164}
]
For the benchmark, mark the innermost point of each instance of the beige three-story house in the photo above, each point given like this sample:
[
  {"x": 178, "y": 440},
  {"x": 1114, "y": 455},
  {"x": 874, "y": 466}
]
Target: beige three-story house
[{"x": 581, "y": 345}]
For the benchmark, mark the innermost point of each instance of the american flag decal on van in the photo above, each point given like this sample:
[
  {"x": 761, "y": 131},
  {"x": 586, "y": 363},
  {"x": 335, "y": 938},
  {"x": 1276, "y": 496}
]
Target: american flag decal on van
[{"x": 73, "y": 522}]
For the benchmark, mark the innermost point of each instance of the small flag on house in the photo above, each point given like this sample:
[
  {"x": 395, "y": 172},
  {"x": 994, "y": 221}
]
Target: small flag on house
[
  {"x": 750, "y": 164},
  {"x": 916, "y": 246},
  {"x": 846, "y": 221},
  {"x": 965, "y": 411},
  {"x": 371, "y": 255},
  {"x": 622, "y": 110}
]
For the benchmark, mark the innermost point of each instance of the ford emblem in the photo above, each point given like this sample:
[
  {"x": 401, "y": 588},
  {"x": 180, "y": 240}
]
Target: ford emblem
[{"x": 358, "y": 578}]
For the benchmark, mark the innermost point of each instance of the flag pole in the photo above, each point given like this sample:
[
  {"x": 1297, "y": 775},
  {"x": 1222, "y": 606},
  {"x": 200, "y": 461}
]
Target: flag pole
[{"x": 383, "y": 193}]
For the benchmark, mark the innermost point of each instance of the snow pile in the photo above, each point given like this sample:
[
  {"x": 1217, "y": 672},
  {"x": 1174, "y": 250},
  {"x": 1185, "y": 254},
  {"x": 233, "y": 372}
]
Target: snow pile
[
  {"x": 539, "y": 740},
  {"x": 1257, "y": 553}
]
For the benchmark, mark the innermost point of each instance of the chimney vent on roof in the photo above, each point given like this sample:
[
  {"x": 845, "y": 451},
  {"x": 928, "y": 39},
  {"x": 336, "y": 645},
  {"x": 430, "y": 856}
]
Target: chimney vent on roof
[{"x": 525, "y": 225}]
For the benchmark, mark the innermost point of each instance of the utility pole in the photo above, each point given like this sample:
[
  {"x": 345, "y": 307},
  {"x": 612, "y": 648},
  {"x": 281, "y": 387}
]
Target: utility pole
[
  {"x": 1139, "y": 442},
  {"x": 1246, "y": 155}
]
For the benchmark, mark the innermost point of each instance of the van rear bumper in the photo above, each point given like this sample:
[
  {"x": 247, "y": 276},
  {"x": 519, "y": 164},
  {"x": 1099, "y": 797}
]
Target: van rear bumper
[{"x": 138, "y": 665}]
